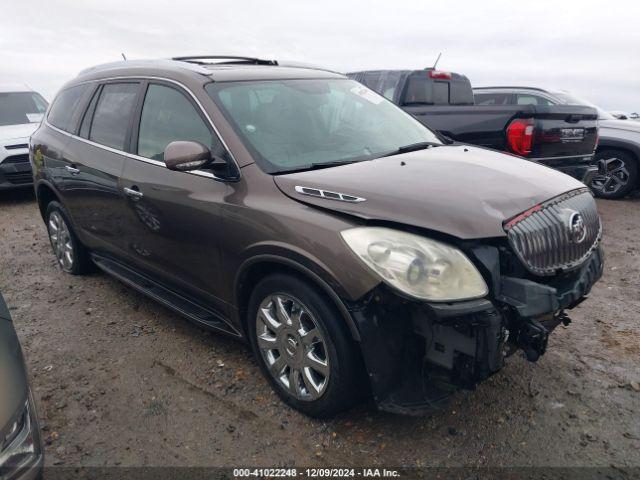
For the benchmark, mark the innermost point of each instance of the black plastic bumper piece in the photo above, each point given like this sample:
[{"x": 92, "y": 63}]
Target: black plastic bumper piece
[
  {"x": 532, "y": 299},
  {"x": 581, "y": 167},
  {"x": 15, "y": 175},
  {"x": 394, "y": 350}
]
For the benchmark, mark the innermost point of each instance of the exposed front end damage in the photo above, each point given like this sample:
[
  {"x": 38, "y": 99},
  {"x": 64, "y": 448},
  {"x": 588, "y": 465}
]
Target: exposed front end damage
[{"x": 418, "y": 352}]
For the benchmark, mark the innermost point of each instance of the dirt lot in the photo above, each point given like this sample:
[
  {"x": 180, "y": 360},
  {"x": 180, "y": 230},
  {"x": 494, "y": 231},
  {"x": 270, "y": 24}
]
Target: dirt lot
[{"x": 120, "y": 380}]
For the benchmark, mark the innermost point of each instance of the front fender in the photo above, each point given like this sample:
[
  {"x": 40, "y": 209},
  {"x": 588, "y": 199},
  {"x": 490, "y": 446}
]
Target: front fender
[{"x": 305, "y": 265}]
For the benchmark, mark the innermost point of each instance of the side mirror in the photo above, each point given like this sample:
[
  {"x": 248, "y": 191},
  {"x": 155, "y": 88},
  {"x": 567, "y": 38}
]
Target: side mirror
[{"x": 185, "y": 156}]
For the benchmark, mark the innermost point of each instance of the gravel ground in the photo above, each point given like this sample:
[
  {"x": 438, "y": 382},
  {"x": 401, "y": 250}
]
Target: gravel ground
[{"x": 120, "y": 380}]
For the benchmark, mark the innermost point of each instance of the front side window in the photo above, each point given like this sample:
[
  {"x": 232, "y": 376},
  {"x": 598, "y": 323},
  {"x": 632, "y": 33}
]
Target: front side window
[
  {"x": 168, "y": 116},
  {"x": 295, "y": 124},
  {"x": 112, "y": 117}
]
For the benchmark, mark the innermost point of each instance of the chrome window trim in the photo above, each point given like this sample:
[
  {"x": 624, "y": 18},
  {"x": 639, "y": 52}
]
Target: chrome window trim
[{"x": 199, "y": 173}]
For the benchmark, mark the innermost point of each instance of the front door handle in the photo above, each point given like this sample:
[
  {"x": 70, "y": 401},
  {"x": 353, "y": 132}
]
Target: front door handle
[
  {"x": 72, "y": 170},
  {"x": 134, "y": 193}
]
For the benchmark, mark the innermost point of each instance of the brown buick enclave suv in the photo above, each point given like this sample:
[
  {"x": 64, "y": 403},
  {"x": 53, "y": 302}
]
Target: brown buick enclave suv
[{"x": 355, "y": 250}]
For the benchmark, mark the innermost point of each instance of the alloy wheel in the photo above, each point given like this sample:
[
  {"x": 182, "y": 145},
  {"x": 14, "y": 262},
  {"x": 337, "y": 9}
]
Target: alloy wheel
[
  {"x": 61, "y": 242},
  {"x": 615, "y": 177},
  {"x": 293, "y": 346}
]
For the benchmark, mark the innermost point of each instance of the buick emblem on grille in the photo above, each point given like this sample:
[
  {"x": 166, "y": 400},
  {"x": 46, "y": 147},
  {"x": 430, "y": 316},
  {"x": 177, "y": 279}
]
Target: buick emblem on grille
[
  {"x": 556, "y": 235},
  {"x": 577, "y": 228}
]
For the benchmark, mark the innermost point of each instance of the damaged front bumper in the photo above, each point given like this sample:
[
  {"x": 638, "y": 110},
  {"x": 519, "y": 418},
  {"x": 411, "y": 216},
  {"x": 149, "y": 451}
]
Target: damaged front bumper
[{"x": 417, "y": 354}]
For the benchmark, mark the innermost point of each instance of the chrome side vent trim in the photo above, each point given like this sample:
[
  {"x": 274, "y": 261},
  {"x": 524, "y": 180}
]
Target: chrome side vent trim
[{"x": 341, "y": 197}]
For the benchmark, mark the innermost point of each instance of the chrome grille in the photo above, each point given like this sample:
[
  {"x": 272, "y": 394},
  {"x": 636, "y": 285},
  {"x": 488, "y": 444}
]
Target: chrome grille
[{"x": 558, "y": 234}]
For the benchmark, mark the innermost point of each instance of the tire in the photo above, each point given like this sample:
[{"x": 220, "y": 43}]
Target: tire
[
  {"x": 317, "y": 392},
  {"x": 70, "y": 254},
  {"x": 621, "y": 177}
]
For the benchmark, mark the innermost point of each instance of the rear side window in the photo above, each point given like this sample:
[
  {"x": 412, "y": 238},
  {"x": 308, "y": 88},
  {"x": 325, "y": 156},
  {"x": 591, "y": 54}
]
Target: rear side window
[
  {"x": 112, "y": 116},
  {"x": 493, "y": 98},
  {"x": 65, "y": 108},
  {"x": 527, "y": 99},
  {"x": 168, "y": 116}
]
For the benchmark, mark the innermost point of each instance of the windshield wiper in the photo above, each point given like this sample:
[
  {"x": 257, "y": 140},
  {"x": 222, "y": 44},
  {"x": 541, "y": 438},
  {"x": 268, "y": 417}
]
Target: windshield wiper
[
  {"x": 413, "y": 147},
  {"x": 318, "y": 166},
  {"x": 337, "y": 163}
]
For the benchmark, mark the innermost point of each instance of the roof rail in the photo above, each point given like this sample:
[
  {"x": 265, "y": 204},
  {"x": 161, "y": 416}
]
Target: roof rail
[
  {"x": 231, "y": 59},
  {"x": 511, "y": 87}
]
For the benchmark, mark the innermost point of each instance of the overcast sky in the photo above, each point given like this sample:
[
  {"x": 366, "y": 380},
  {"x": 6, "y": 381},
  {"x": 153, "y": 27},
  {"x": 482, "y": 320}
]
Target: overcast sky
[{"x": 590, "y": 48}]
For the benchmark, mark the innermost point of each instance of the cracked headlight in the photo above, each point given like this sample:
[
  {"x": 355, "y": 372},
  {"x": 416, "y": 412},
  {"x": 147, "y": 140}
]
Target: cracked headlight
[
  {"x": 20, "y": 448},
  {"x": 417, "y": 266}
]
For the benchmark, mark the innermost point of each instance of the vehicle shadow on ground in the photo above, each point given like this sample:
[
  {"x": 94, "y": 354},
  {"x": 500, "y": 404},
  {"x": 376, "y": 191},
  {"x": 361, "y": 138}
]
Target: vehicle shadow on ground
[{"x": 17, "y": 196}]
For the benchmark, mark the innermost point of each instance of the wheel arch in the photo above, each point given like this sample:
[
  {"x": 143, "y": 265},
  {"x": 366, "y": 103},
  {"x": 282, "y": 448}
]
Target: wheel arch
[
  {"x": 260, "y": 266},
  {"x": 45, "y": 194},
  {"x": 627, "y": 147}
]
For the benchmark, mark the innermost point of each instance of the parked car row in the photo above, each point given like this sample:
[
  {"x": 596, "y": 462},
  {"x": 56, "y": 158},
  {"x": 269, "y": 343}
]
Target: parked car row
[
  {"x": 554, "y": 128},
  {"x": 355, "y": 249},
  {"x": 560, "y": 136},
  {"x": 618, "y": 149},
  {"x": 620, "y": 115}
]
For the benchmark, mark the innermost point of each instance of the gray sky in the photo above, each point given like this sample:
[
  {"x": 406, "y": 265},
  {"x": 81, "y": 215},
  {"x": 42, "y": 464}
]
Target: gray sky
[{"x": 590, "y": 48}]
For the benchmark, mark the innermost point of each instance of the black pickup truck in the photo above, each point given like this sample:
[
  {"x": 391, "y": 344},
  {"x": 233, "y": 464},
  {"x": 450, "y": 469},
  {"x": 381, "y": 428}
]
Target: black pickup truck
[{"x": 560, "y": 136}]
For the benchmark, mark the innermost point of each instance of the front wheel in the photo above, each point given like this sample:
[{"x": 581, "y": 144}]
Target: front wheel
[
  {"x": 303, "y": 347},
  {"x": 618, "y": 175},
  {"x": 71, "y": 255}
]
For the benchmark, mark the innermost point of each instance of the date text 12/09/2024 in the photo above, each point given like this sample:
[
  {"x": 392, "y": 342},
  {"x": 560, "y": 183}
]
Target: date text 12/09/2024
[{"x": 315, "y": 473}]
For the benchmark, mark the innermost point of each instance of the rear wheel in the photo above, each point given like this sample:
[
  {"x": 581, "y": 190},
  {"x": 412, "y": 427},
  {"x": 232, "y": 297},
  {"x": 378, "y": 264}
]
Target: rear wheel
[
  {"x": 71, "y": 255},
  {"x": 619, "y": 174},
  {"x": 303, "y": 346}
]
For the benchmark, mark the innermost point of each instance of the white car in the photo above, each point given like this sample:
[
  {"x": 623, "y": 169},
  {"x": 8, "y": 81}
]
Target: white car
[{"x": 21, "y": 110}]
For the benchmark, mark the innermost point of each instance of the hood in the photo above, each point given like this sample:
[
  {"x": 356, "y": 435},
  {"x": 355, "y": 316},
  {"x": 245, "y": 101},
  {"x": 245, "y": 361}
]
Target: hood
[
  {"x": 10, "y": 132},
  {"x": 462, "y": 191},
  {"x": 628, "y": 125},
  {"x": 13, "y": 376}
]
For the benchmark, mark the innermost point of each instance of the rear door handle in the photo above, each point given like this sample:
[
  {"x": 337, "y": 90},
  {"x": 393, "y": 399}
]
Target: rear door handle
[
  {"x": 134, "y": 193},
  {"x": 72, "y": 170}
]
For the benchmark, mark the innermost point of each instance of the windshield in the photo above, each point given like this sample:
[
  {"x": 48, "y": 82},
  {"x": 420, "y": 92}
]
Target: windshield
[
  {"x": 21, "y": 107},
  {"x": 300, "y": 124},
  {"x": 568, "y": 99}
]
